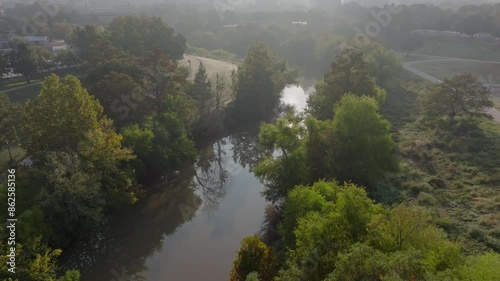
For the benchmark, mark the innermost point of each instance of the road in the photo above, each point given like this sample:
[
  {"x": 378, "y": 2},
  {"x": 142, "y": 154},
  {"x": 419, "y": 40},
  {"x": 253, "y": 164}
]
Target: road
[{"x": 495, "y": 113}]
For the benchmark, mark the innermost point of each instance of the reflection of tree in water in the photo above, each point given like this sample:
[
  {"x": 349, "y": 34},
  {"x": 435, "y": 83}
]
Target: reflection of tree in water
[
  {"x": 212, "y": 177},
  {"x": 246, "y": 149},
  {"x": 134, "y": 235}
]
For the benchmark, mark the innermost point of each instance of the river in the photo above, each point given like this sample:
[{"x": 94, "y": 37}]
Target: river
[{"x": 189, "y": 231}]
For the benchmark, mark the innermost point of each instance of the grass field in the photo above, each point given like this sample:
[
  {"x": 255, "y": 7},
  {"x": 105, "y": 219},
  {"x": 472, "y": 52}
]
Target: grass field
[
  {"x": 467, "y": 49},
  {"x": 24, "y": 94},
  {"x": 457, "y": 179},
  {"x": 7, "y": 87},
  {"x": 489, "y": 72}
]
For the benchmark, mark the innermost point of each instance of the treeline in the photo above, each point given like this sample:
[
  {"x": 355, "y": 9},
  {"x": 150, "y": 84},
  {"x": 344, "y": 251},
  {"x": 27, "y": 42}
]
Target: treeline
[
  {"x": 324, "y": 170},
  {"x": 134, "y": 122}
]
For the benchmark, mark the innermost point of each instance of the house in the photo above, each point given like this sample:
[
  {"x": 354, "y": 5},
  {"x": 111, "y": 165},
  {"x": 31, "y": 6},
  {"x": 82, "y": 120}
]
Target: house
[{"x": 42, "y": 41}]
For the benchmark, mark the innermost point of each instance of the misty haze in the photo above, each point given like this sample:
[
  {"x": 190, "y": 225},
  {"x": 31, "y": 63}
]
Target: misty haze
[{"x": 250, "y": 140}]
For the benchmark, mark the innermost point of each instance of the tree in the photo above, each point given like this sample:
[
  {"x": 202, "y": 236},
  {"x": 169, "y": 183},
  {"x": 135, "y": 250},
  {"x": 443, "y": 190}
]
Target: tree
[
  {"x": 83, "y": 38},
  {"x": 321, "y": 236},
  {"x": 281, "y": 173},
  {"x": 67, "y": 58},
  {"x": 254, "y": 256},
  {"x": 461, "y": 96},
  {"x": 61, "y": 116},
  {"x": 65, "y": 118},
  {"x": 363, "y": 143},
  {"x": 260, "y": 81},
  {"x": 141, "y": 35},
  {"x": 72, "y": 198},
  {"x": 4, "y": 64},
  {"x": 349, "y": 74},
  {"x": 9, "y": 120},
  {"x": 411, "y": 43},
  {"x": 470, "y": 25},
  {"x": 201, "y": 91},
  {"x": 35, "y": 261},
  {"x": 123, "y": 99},
  {"x": 302, "y": 200},
  {"x": 24, "y": 58}
]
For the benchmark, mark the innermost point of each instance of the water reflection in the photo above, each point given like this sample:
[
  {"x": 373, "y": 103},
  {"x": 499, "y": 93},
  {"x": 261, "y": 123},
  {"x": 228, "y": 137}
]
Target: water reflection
[
  {"x": 212, "y": 178},
  {"x": 219, "y": 197}
]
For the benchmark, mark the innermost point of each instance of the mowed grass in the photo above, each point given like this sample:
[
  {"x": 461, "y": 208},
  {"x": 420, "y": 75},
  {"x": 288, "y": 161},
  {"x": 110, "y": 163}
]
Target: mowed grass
[
  {"x": 25, "y": 94},
  {"x": 6, "y": 87},
  {"x": 487, "y": 72},
  {"x": 467, "y": 49}
]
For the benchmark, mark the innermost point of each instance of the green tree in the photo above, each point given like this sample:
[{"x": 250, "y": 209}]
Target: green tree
[
  {"x": 35, "y": 261},
  {"x": 281, "y": 173},
  {"x": 4, "y": 64},
  {"x": 364, "y": 149},
  {"x": 64, "y": 117},
  {"x": 260, "y": 81},
  {"x": 350, "y": 73},
  {"x": 140, "y": 35},
  {"x": 254, "y": 256},
  {"x": 72, "y": 198},
  {"x": 67, "y": 58},
  {"x": 9, "y": 120},
  {"x": 24, "y": 58},
  {"x": 302, "y": 200},
  {"x": 84, "y": 37},
  {"x": 481, "y": 268},
  {"x": 201, "y": 91},
  {"x": 320, "y": 236},
  {"x": 123, "y": 99},
  {"x": 461, "y": 96}
]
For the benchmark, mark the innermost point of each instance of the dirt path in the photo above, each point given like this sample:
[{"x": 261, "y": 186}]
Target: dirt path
[{"x": 409, "y": 66}]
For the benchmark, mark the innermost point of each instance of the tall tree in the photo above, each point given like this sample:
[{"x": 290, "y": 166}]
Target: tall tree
[
  {"x": 201, "y": 91},
  {"x": 140, "y": 35},
  {"x": 364, "y": 148},
  {"x": 260, "y": 81},
  {"x": 65, "y": 118},
  {"x": 24, "y": 58},
  {"x": 349, "y": 74},
  {"x": 460, "y": 96}
]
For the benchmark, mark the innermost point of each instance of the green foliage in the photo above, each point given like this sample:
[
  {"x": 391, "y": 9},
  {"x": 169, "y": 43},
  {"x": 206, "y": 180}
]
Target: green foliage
[
  {"x": 60, "y": 116},
  {"x": 34, "y": 262},
  {"x": 140, "y": 35},
  {"x": 253, "y": 256},
  {"x": 302, "y": 200},
  {"x": 349, "y": 74},
  {"x": 341, "y": 234},
  {"x": 9, "y": 119},
  {"x": 481, "y": 268},
  {"x": 460, "y": 97},
  {"x": 363, "y": 143},
  {"x": 26, "y": 58},
  {"x": 254, "y": 276},
  {"x": 260, "y": 81},
  {"x": 280, "y": 174}
]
